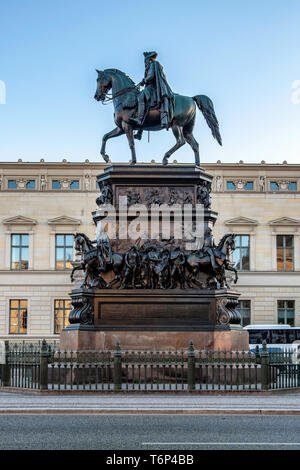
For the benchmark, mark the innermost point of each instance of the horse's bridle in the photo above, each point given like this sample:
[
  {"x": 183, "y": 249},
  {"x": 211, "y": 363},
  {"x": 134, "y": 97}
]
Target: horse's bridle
[{"x": 108, "y": 98}]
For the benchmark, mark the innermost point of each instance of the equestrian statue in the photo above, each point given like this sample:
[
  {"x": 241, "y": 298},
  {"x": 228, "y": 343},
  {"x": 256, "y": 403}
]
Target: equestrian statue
[{"x": 154, "y": 108}]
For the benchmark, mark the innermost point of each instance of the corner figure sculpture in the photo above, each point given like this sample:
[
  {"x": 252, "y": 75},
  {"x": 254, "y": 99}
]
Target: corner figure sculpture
[{"x": 153, "y": 109}]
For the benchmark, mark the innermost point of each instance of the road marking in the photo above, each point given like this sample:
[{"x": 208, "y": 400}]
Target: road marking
[{"x": 221, "y": 443}]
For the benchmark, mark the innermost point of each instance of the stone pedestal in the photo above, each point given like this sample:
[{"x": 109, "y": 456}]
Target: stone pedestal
[
  {"x": 155, "y": 314},
  {"x": 81, "y": 338},
  {"x": 154, "y": 319}
]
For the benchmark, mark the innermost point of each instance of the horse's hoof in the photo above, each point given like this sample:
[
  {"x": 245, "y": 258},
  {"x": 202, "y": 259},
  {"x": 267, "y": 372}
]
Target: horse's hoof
[
  {"x": 165, "y": 161},
  {"x": 133, "y": 162}
]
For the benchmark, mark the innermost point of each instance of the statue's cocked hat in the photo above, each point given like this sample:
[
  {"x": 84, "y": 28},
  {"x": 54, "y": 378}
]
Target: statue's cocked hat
[{"x": 148, "y": 55}]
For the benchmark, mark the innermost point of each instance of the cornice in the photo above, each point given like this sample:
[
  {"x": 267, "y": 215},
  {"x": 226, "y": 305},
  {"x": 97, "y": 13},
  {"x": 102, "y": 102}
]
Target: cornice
[{"x": 100, "y": 165}]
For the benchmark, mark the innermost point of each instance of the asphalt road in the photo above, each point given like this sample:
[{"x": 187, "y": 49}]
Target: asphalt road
[{"x": 149, "y": 432}]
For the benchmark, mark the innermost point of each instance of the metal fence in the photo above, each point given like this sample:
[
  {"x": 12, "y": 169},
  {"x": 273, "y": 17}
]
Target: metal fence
[{"x": 45, "y": 368}]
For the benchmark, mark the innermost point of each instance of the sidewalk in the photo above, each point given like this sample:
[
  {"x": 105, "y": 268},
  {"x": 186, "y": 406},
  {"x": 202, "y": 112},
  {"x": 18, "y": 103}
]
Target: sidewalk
[{"x": 283, "y": 403}]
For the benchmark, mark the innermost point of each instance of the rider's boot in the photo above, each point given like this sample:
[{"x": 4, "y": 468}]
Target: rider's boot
[
  {"x": 141, "y": 111},
  {"x": 138, "y": 134},
  {"x": 164, "y": 120}
]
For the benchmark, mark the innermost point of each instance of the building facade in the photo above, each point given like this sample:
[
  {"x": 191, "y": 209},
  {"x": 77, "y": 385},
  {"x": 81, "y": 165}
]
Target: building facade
[{"x": 44, "y": 204}]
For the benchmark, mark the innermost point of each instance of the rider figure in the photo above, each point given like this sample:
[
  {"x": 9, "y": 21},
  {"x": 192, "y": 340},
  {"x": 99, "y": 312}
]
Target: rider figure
[
  {"x": 209, "y": 246},
  {"x": 103, "y": 247},
  {"x": 157, "y": 93}
]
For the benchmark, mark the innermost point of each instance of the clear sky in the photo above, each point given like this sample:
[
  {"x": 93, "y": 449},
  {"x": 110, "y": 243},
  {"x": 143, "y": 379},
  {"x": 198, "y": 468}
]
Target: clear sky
[{"x": 243, "y": 54}]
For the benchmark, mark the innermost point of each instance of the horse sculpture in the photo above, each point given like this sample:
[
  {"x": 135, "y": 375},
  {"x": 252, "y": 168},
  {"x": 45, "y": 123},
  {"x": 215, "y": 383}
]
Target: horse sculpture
[
  {"x": 91, "y": 263},
  {"x": 124, "y": 97},
  {"x": 200, "y": 262}
]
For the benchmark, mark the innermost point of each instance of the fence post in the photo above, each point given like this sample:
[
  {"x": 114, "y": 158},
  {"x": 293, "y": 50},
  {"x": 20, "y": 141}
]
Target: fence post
[
  {"x": 264, "y": 367},
  {"x": 44, "y": 354},
  {"x": 6, "y": 366},
  {"x": 191, "y": 367},
  {"x": 118, "y": 367}
]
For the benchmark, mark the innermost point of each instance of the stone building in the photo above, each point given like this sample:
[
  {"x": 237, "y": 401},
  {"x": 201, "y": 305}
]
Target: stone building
[{"x": 44, "y": 204}]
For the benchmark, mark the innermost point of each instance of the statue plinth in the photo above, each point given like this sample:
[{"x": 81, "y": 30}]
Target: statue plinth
[{"x": 160, "y": 294}]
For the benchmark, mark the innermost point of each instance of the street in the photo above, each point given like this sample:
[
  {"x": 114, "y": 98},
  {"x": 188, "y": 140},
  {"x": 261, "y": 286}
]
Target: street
[{"x": 149, "y": 432}]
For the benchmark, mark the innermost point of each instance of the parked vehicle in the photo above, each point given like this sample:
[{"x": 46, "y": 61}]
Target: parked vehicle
[{"x": 278, "y": 338}]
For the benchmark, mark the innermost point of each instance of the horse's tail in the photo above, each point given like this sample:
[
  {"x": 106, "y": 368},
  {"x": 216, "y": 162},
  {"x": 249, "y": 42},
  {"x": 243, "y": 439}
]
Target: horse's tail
[{"x": 206, "y": 107}]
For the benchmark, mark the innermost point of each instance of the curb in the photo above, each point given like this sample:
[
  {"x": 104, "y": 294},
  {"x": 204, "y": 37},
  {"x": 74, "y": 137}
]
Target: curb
[
  {"x": 152, "y": 412},
  {"x": 32, "y": 391}
]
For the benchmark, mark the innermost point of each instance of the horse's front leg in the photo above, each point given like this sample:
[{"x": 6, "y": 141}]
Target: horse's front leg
[
  {"x": 180, "y": 141},
  {"x": 128, "y": 129},
  {"x": 231, "y": 268},
  {"x": 76, "y": 268},
  {"x": 110, "y": 135}
]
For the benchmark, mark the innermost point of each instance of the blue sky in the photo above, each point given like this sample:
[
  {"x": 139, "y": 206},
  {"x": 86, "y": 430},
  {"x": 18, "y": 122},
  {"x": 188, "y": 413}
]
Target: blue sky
[{"x": 243, "y": 54}]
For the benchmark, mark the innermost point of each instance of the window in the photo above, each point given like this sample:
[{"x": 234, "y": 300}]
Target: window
[
  {"x": 63, "y": 251},
  {"x": 249, "y": 186},
  {"x": 74, "y": 185},
  {"x": 230, "y": 185},
  {"x": 285, "y": 252},
  {"x": 244, "y": 307},
  {"x": 12, "y": 184},
  {"x": 30, "y": 184},
  {"x": 19, "y": 252},
  {"x": 18, "y": 316},
  {"x": 274, "y": 186},
  {"x": 62, "y": 309},
  {"x": 56, "y": 184},
  {"x": 241, "y": 255},
  {"x": 292, "y": 186},
  {"x": 286, "y": 312}
]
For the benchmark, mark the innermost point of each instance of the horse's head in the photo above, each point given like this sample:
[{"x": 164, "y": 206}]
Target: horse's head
[
  {"x": 104, "y": 84},
  {"x": 78, "y": 242},
  {"x": 227, "y": 244},
  {"x": 230, "y": 243}
]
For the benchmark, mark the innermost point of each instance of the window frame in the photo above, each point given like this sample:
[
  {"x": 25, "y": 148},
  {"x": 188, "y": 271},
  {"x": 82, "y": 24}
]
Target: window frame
[
  {"x": 20, "y": 251},
  {"x": 34, "y": 184},
  {"x": 18, "y": 309},
  {"x": 244, "y": 308},
  {"x": 285, "y": 311},
  {"x": 284, "y": 248},
  {"x": 239, "y": 249},
  {"x": 12, "y": 181},
  {"x": 64, "y": 247},
  {"x": 53, "y": 183},
  {"x": 65, "y": 321},
  {"x": 75, "y": 181}
]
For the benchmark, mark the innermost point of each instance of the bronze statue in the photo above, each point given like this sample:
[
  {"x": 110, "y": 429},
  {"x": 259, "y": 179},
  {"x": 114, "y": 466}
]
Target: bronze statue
[
  {"x": 201, "y": 261},
  {"x": 132, "y": 262},
  {"x": 93, "y": 264},
  {"x": 155, "y": 265},
  {"x": 106, "y": 196},
  {"x": 153, "y": 109},
  {"x": 203, "y": 194},
  {"x": 90, "y": 263},
  {"x": 156, "y": 94}
]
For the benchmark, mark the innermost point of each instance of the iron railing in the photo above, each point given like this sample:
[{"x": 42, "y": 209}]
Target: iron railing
[{"x": 46, "y": 368}]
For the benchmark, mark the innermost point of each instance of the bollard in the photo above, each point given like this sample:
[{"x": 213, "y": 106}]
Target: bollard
[
  {"x": 118, "y": 367},
  {"x": 264, "y": 367},
  {"x": 44, "y": 354},
  {"x": 191, "y": 367}
]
